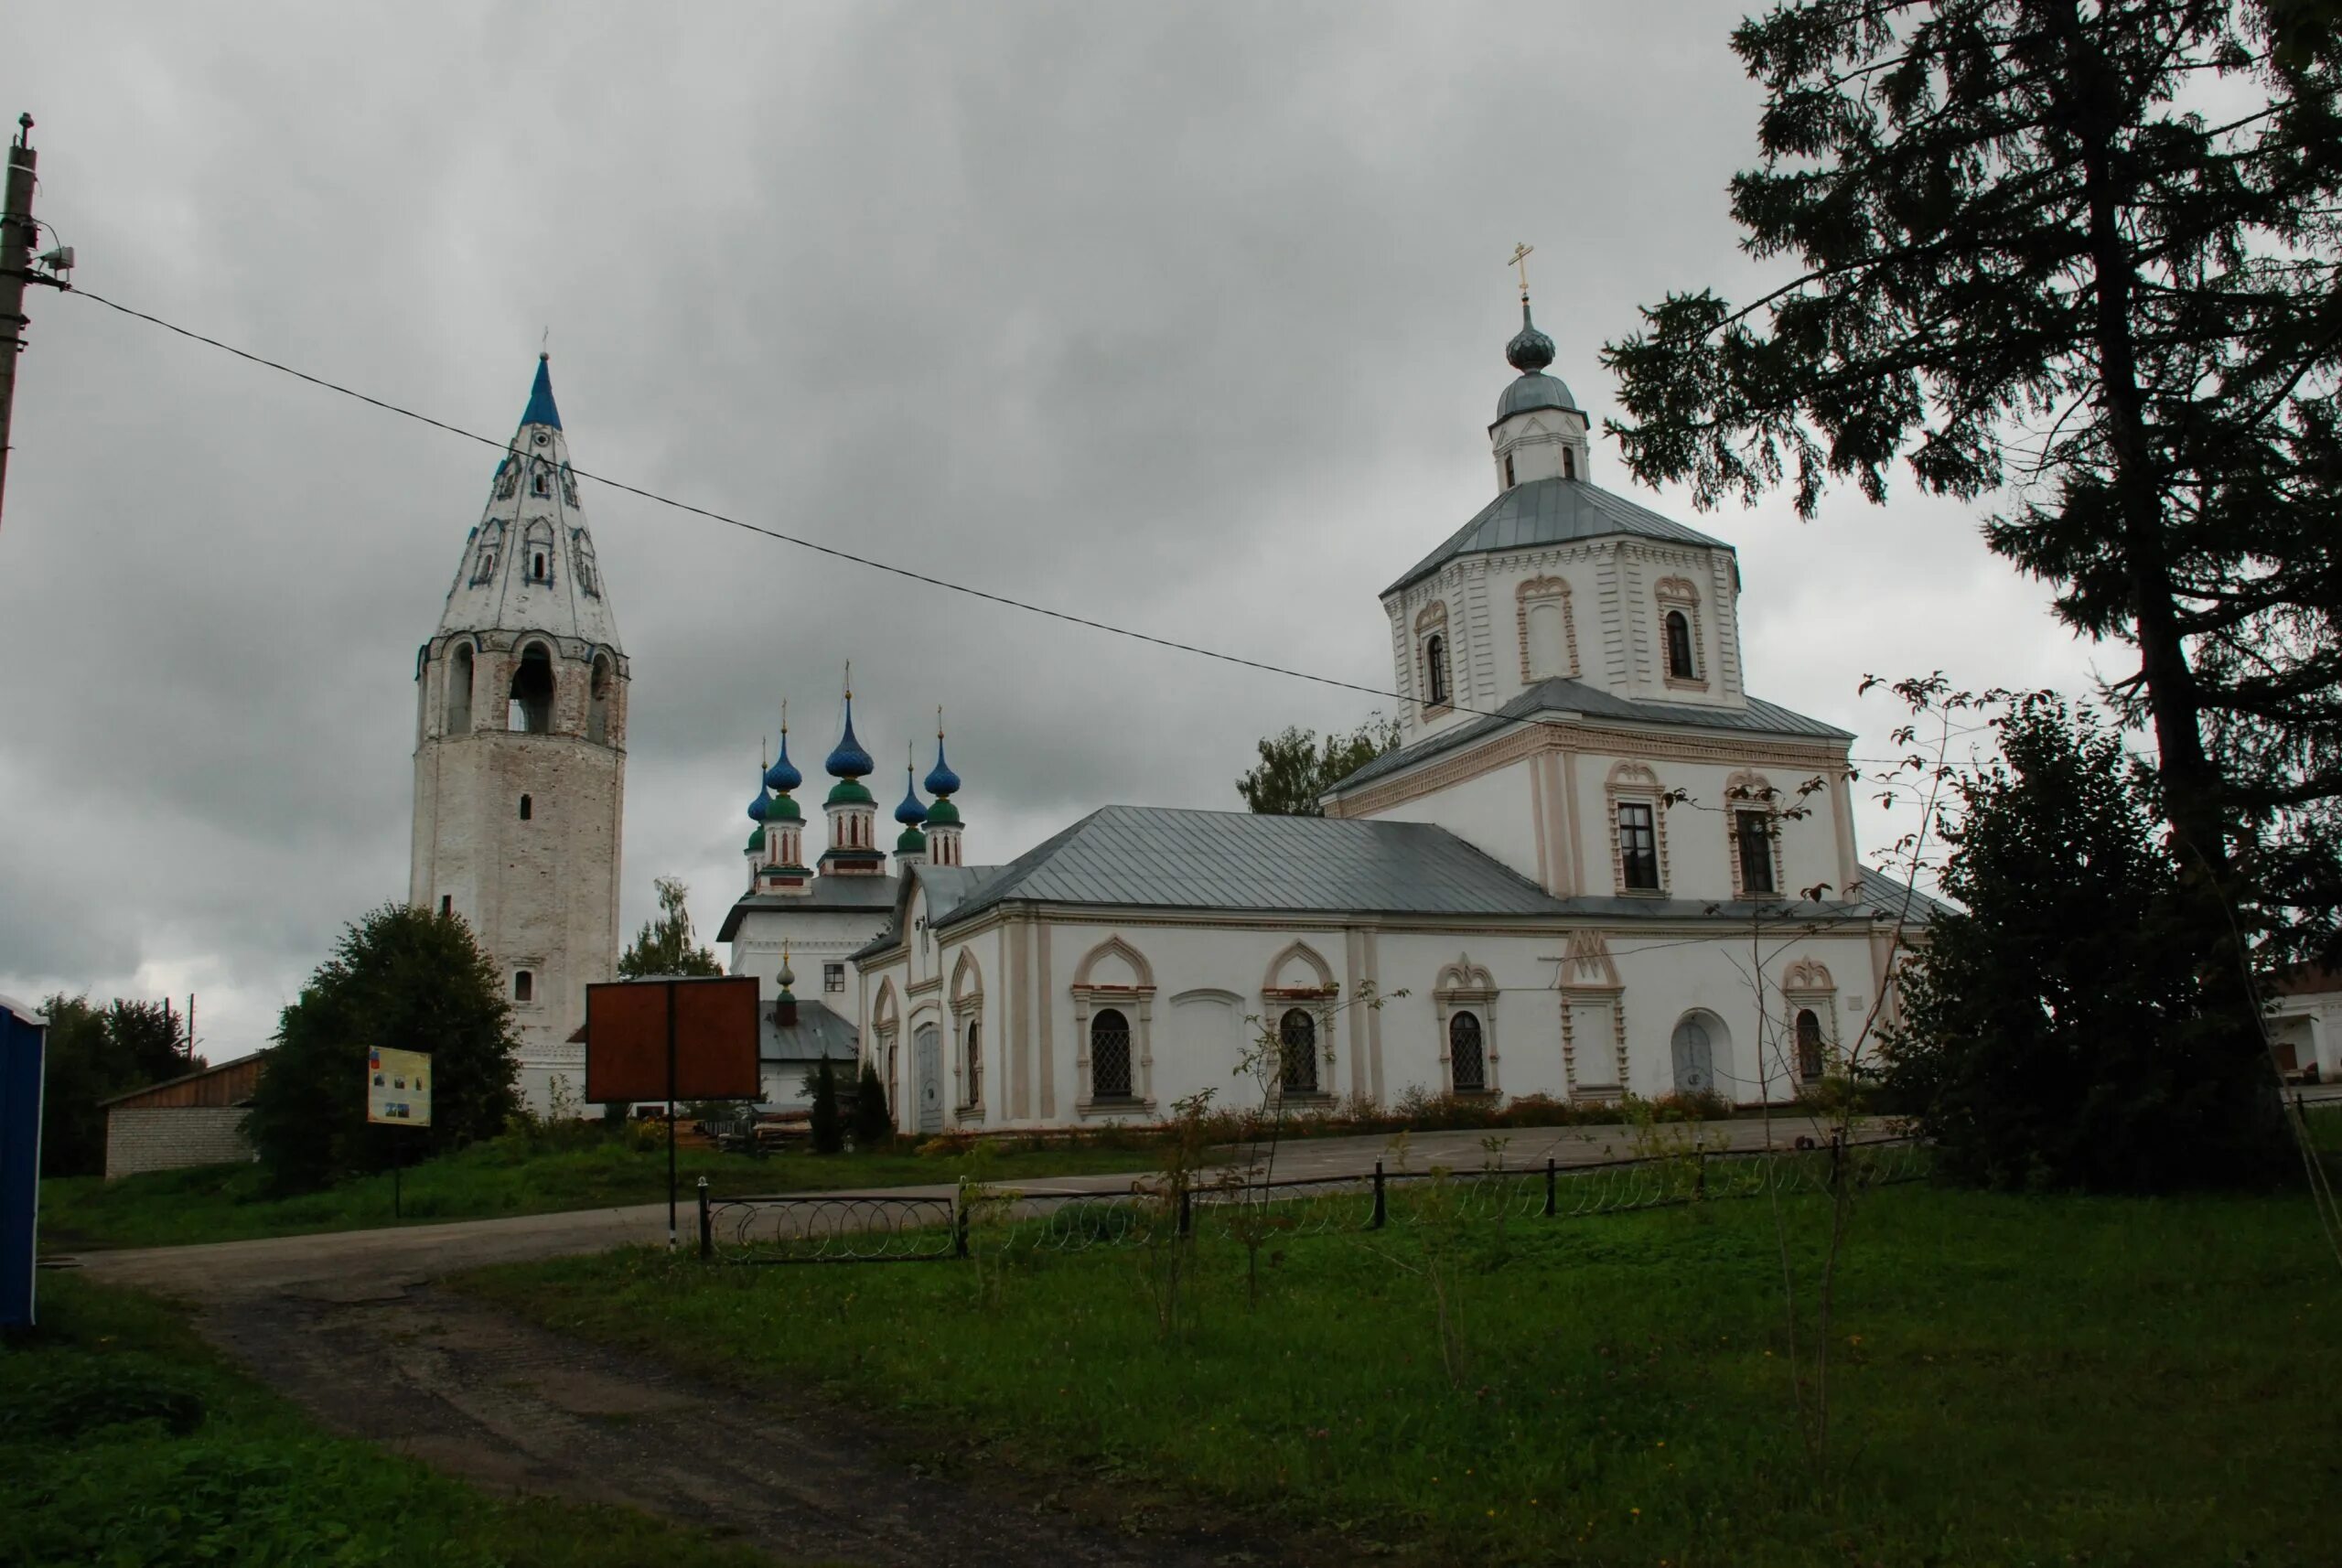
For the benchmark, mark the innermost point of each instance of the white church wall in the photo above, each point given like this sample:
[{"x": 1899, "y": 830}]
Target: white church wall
[
  {"x": 1696, "y": 850},
  {"x": 1494, "y": 812},
  {"x": 816, "y": 939}
]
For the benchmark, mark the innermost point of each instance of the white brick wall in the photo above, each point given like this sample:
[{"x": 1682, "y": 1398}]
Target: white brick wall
[{"x": 168, "y": 1137}]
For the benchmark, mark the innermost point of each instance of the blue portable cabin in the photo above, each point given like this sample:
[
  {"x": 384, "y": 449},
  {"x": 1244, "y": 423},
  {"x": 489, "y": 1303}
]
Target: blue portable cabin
[{"x": 23, "y": 1038}]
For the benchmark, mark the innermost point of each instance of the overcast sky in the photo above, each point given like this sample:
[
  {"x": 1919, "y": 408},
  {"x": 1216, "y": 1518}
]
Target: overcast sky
[{"x": 1185, "y": 318}]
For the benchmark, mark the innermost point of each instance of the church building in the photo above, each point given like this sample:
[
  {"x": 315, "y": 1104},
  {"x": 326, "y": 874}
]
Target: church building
[
  {"x": 1588, "y": 825},
  {"x": 520, "y": 750}
]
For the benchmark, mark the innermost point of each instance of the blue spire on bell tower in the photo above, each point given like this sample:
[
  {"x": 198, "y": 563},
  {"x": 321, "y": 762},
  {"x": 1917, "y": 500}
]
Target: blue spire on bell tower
[{"x": 541, "y": 409}]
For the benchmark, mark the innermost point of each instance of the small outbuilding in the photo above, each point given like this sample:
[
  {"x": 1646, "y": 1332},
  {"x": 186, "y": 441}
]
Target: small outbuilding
[
  {"x": 194, "y": 1120},
  {"x": 2305, "y": 1024}
]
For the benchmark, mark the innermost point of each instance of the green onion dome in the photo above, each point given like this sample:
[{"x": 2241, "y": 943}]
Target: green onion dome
[
  {"x": 757, "y": 840},
  {"x": 850, "y": 792},
  {"x": 912, "y": 842},
  {"x": 943, "y": 814},
  {"x": 781, "y": 809}
]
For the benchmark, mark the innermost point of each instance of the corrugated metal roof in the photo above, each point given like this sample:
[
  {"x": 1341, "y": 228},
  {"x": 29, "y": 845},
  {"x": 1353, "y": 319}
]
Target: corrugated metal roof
[
  {"x": 1157, "y": 857},
  {"x": 1553, "y": 511},
  {"x": 1561, "y": 697},
  {"x": 1890, "y": 896},
  {"x": 818, "y": 1032}
]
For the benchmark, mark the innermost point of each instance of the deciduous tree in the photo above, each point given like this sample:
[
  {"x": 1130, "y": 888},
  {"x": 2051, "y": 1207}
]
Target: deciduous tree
[
  {"x": 402, "y": 978},
  {"x": 1296, "y": 768},
  {"x": 665, "y": 945}
]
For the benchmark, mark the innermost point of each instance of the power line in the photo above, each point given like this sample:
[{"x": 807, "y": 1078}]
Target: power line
[{"x": 831, "y": 551}]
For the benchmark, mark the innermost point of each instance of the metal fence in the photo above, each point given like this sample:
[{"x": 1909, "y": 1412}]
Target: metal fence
[{"x": 998, "y": 1220}]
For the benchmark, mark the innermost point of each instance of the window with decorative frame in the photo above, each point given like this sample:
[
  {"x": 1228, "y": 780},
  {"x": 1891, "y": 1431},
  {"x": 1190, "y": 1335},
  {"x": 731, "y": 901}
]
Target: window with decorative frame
[
  {"x": 1464, "y": 1000},
  {"x": 1639, "y": 829},
  {"x": 1810, "y": 997},
  {"x": 1467, "y": 1062},
  {"x": 1437, "y": 677},
  {"x": 1297, "y": 1052},
  {"x": 1548, "y": 628},
  {"x": 1681, "y": 640},
  {"x": 1110, "y": 1055}
]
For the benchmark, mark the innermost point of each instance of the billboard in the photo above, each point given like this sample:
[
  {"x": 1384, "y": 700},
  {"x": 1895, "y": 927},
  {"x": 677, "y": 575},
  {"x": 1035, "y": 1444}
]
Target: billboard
[
  {"x": 715, "y": 1022},
  {"x": 398, "y": 1088}
]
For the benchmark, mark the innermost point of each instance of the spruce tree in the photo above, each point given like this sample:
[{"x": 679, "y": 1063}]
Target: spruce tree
[
  {"x": 829, "y": 1127},
  {"x": 873, "y": 1124},
  {"x": 2088, "y": 252}
]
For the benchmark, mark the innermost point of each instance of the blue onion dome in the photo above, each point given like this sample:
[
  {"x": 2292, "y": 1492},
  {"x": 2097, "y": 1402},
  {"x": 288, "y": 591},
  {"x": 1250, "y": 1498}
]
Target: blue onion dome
[
  {"x": 910, "y": 813},
  {"x": 850, "y": 792},
  {"x": 940, "y": 779},
  {"x": 912, "y": 842},
  {"x": 760, "y": 807},
  {"x": 782, "y": 776},
  {"x": 943, "y": 814},
  {"x": 757, "y": 841},
  {"x": 1529, "y": 350},
  {"x": 781, "y": 809},
  {"x": 849, "y": 760}
]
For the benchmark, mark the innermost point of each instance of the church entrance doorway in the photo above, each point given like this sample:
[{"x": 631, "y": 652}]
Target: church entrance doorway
[
  {"x": 1695, "y": 1042},
  {"x": 926, "y": 1056}
]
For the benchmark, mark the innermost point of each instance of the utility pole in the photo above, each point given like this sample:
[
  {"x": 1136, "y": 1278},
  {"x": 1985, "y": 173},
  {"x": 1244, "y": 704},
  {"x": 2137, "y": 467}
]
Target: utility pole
[{"x": 17, "y": 238}]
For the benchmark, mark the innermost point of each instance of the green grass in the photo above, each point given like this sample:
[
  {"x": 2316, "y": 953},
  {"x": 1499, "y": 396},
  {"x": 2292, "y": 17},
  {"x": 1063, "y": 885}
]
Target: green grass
[
  {"x": 2017, "y": 1380},
  {"x": 507, "y": 1176},
  {"x": 125, "y": 1440}
]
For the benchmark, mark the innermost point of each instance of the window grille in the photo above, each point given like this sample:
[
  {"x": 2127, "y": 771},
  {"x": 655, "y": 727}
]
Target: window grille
[
  {"x": 976, "y": 1063},
  {"x": 1467, "y": 1060},
  {"x": 1809, "y": 1044},
  {"x": 1110, "y": 1055},
  {"x": 1297, "y": 1040}
]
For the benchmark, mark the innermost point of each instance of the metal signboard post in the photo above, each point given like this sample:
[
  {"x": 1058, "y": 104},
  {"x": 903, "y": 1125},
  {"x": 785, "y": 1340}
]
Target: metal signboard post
[
  {"x": 671, "y": 1039},
  {"x": 398, "y": 1094}
]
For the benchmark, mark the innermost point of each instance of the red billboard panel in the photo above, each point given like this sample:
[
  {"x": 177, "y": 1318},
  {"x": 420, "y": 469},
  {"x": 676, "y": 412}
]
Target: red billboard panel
[{"x": 716, "y": 1022}]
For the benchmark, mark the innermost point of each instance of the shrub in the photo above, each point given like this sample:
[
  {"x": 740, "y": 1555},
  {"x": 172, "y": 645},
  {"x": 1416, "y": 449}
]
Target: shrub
[
  {"x": 873, "y": 1124},
  {"x": 828, "y": 1126}
]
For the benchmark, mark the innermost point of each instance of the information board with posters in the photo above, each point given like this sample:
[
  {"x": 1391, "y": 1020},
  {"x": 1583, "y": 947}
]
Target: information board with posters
[{"x": 398, "y": 1088}]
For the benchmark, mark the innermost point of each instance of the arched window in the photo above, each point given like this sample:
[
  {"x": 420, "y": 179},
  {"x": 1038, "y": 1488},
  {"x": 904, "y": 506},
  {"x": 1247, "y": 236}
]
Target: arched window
[
  {"x": 1297, "y": 1052},
  {"x": 1110, "y": 1055},
  {"x": 459, "y": 690},
  {"x": 1678, "y": 647},
  {"x": 581, "y": 554},
  {"x": 524, "y": 986},
  {"x": 1809, "y": 1044},
  {"x": 975, "y": 1063},
  {"x": 540, "y": 482},
  {"x": 1569, "y": 463},
  {"x": 537, "y": 540},
  {"x": 530, "y": 707},
  {"x": 1436, "y": 669},
  {"x": 1509, "y": 481},
  {"x": 1467, "y": 1060},
  {"x": 527, "y": 808},
  {"x": 597, "y": 701}
]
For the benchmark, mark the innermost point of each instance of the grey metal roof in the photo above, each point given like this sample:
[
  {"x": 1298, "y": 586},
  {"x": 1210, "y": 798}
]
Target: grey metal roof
[
  {"x": 1535, "y": 390},
  {"x": 947, "y": 886},
  {"x": 828, "y": 893},
  {"x": 1561, "y": 697},
  {"x": 1892, "y": 895},
  {"x": 818, "y": 1032},
  {"x": 1553, "y": 511},
  {"x": 1157, "y": 857}
]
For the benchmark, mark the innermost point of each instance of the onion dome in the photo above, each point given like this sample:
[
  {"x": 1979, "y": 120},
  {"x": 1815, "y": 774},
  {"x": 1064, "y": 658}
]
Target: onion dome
[
  {"x": 911, "y": 812},
  {"x": 757, "y": 841},
  {"x": 850, "y": 792},
  {"x": 759, "y": 807},
  {"x": 943, "y": 814},
  {"x": 940, "y": 779},
  {"x": 782, "y": 776},
  {"x": 1529, "y": 350},
  {"x": 781, "y": 809},
  {"x": 848, "y": 761},
  {"x": 911, "y": 842},
  {"x": 788, "y": 975}
]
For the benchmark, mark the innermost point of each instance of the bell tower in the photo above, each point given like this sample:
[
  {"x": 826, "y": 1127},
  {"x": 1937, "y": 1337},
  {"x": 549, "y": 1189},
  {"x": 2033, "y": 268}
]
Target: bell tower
[{"x": 519, "y": 755}]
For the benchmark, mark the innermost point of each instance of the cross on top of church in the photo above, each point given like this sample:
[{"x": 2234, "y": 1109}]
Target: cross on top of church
[{"x": 1519, "y": 258}]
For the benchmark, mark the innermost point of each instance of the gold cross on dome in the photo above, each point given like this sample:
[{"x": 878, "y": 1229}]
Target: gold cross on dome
[{"x": 1519, "y": 258}]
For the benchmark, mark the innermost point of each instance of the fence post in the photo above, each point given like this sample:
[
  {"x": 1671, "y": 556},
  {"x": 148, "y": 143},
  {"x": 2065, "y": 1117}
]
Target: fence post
[
  {"x": 706, "y": 1223},
  {"x": 1382, "y": 1209},
  {"x": 1551, "y": 1206},
  {"x": 959, "y": 1221},
  {"x": 1187, "y": 1212}
]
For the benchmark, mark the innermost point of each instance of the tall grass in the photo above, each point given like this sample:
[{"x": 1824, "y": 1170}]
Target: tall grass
[{"x": 2019, "y": 1380}]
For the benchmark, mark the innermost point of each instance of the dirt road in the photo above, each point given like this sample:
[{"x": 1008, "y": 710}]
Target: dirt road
[{"x": 350, "y": 1326}]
